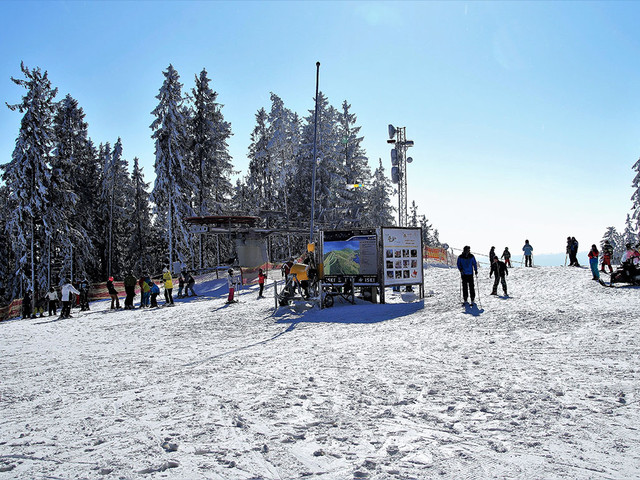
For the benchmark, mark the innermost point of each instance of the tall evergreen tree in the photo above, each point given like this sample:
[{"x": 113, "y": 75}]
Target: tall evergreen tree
[
  {"x": 174, "y": 185},
  {"x": 629, "y": 235},
  {"x": 615, "y": 239},
  {"x": 28, "y": 177},
  {"x": 69, "y": 243},
  {"x": 356, "y": 166},
  {"x": 635, "y": 198},
  {"x": 379, "y": 211},
  {"x": 259, "y": 177},
  {"x": 211, "y": 161},
  {"x": 140, "y": 227}
]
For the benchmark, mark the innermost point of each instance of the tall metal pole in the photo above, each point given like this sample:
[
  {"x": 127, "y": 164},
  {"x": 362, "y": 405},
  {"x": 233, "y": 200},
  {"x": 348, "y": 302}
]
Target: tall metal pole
[
  {"x": 315, "y": 137},
  {"x": 401, "y": 150}
]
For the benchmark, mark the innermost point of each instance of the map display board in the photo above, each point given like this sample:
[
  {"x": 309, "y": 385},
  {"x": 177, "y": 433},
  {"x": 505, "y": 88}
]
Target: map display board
[
  {"x": 402, "y": 256},
  {"x": 351, "y": 254}
]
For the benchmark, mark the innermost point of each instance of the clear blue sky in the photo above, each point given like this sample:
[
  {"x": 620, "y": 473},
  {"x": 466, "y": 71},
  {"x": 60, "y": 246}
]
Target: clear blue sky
[{"x": 525, "y": 115}]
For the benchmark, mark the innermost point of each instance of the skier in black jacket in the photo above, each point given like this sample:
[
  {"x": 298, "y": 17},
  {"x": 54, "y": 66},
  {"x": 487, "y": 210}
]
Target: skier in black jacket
[{"x": 500, "y": 269}]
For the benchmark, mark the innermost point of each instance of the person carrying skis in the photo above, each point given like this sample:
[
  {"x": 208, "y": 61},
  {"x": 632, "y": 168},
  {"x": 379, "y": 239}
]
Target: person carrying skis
[
  {"x": 593, "y": 262},
  {"x": 500, "y": 269},
  {"x": 467, "y": 265},
  {"x": 261, "y": 278},
  {"x": 130, "y": 289},
  {"x": 67, "y": 290},
  {"x": 607, "y": 253},
  {"x": 84, "y": 294},
  {"x": 113, "y": 293},
  {"x": 52, "y": 295},
  {"x": 507, "y": 256},
  {"x": 168, "y": 286},
  {"x": 528, "y": 250}
]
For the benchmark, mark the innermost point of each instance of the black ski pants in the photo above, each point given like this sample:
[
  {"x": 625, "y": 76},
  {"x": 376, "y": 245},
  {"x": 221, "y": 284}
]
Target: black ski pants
[
  {"x": 131, "y": 293},
  {"x": 500, "y": 279},
  {"x": 527, "y": 261},
  {"x": 468, "y": 287}
]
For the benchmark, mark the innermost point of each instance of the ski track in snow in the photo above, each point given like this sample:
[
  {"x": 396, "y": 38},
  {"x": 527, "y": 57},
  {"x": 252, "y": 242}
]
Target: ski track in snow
[{"x": 543, "y": 385}]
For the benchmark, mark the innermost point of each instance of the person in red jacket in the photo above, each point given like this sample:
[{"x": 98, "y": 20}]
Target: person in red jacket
[
  {"x": 261, "y": 278},
  {"x": 593, "y": 262}
]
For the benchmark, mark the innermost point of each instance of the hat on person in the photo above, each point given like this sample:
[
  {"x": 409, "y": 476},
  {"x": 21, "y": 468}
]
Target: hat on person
[
  {"x": 165, "y": 270},
  {"x": 111, "y": 279}
]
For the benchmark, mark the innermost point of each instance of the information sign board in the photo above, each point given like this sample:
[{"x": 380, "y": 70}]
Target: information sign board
[{"x": 402, "y": 256}]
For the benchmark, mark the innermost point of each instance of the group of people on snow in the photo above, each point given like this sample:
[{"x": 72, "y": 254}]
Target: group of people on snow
[
  {"x": 149, "y": 291},
  {"x": 467, "y": 265}
]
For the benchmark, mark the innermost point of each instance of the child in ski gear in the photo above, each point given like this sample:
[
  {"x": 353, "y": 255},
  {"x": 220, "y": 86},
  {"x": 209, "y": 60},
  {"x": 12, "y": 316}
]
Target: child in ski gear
[
  {"x": 113, "y": 293},
  {"x": 67, "y": 290},
  {"x": 130, "y": 289},
  {"x": 52, "y": 295},
  {"x": 507, "y": 256},
  {"x": 168, "y": 286},
  {"x": 154, "y": 290},
  {"x": 231, "y": 282},
  {"x": 84, "y": 294},
  {"x": 607, "y": 253},
  {"x": 593, "y": 262},
  {"x": 527, "y": 249},
  {"x": 190, "y": 281},
  {"x": 467, "y": 265},
  {"x": 145, "y": 290},
  {"x": 26, "y": 305},
  {"x": 500, "y": 269},
  {"x": 261, "y": 278},
  {"x": 180, "y": 284}
]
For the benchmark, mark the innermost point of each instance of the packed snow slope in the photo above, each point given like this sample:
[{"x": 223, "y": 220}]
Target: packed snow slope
[{"x": 543, "y": 385}]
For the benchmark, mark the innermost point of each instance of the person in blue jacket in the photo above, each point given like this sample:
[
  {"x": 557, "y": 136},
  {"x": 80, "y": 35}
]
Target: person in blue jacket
[
  {"x": 527, "y": 249},
  {"x": 467, "y": 265}
]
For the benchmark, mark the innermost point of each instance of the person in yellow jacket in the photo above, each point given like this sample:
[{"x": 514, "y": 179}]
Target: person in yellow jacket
[{"x": 168, "y": 286}]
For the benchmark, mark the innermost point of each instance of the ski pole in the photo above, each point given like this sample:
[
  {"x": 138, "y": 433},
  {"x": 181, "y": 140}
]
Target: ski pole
[
  {"x": 565, "y": 259},
  {"x": 478, "y": 291}
]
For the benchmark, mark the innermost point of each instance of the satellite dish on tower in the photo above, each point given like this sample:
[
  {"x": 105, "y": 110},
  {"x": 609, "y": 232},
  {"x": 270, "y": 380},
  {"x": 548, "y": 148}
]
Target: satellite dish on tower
[
  {"x": 392, "y": 131},
  {"x": 409, "y": 160}
]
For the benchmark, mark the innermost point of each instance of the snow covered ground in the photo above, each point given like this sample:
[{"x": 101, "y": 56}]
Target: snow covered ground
[{"x": 543, "y": 385}]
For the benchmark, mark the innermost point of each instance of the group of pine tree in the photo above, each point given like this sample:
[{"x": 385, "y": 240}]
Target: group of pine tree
[
  {"x": 72, "y": 209},
  {"x": 631, "y": 232}
]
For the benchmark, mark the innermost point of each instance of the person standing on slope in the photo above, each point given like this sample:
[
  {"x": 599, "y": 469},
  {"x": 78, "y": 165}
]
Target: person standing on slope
[
  {"x": 492, "y": 255},
  {"x": 113, "y": 293},
  {"x": 500, "y": 269},
  {"x": 261, "y": 278},
  {"x": 593, "y": 262},
  {"x": 130, "y": 288},
  {"x": 528, "y": 250},
  {"x": 67, "y": 290},
  {"x": 607, "y": 253},
  {"x": 168, "y": 286},
  {"x": 232, "y": 285},
  {"x": 507, "y": 256},
  {"x": 573, "y": 252},
  {"x": 467, "y": 266}
]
